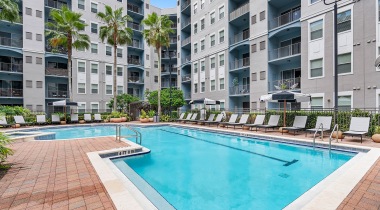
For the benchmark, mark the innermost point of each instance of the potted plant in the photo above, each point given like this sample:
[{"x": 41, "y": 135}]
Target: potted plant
[
  {"x": 376, "y": 135},
  {"x": 61, "y": 117},
  {"x": 151, "y": 114},
  {"x": 115, "y": 117},
  {"x": 123, "y": 117},
  {"x": 144, "y": 117},
  {"x": 340, "y": 135}
]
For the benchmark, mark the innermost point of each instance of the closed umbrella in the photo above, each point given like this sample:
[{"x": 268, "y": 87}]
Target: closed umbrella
[{"x": 64, "y": 104}]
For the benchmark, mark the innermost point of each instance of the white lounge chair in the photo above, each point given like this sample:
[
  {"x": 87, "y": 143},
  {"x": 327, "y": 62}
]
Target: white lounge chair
[
  {"x": 55, "y": 119},
  {"x": 87, "y": 118},
  {"x": 181, "y": 117},
  {"x": 97, "y": 118},
  {"x": 193, "y": 118},
  {"x": 3, "y": 122},
  {"x": 299, "y": 124},
  {"x": 243, "y": 120},
  {"x": 323, "y": 124},
  {"x": 188, "y": 117},
  {"x": 210, "y": 118},
  {"x": 272, "y": 123},
  {"x": 259, "y": 120},
  {"x": 74, "y": 118},
  {"x": 41, "y": 119},
  {"x": 218, "y": 119},
  {"x": 233, "y": 119},
  {"x": 20, "y": 120},
  {"x": 358, "y": 127}
]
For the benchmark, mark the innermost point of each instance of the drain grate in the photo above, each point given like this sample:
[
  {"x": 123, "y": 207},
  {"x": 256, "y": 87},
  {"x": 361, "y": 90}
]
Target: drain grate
[{"x": 283, "y": 175}]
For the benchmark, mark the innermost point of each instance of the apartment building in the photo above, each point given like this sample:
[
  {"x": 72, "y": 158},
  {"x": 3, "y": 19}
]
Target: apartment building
[
  {"x": 237, "y": 50},
  {"x": 32, "y": 73}
]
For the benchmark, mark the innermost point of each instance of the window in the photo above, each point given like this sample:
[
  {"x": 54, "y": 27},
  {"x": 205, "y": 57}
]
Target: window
[
  {"x": 344, "y": 102},
  {"x": 109, "y": 50},
  {"x": 155, "y": 79},
  {"x": 221, "y": 84},
  {"x": 94, "y": 88},
  {"x": 203, "y": 66},
  {"x": 195, "y": 88},
  {"x": 202, "y": 24},
  {"x": 262, "y": 45},
  {"x": 212, "y": 63},
  {"x": 203, "y": 87},
  {"x": 212, "y": 82},
  {"x": 156, "y": 64},
  {"x": 108, "y": 70},
  {"x": 316, "y": 68},
  {"x": 254, "y": 76},
  {"x": 147, "y": 73},
  {"x": 39, "y": 37},
  {"x": 29, "y": 83},
  {"x": 81, "y": 66},
  {"x": 195, "y": 69},
  {"x": 94, "y": 107},
  {"x": 94, "y": 48},
  {"x": 195, "y": 47},
  {"x": 94, "y": 7},
  {"x": 94, "y": 68},
  {"x": 82, "y": 88},
  {"x": 195, "y": 8},
  {"x": 119, "y": 70},
  {"x": 28, "y": 11},
  {"x": 195, "y": 28},
  {"x": 253, "y": 19},
  {"x": 28, "y": 59},
  {"x": 316, "y": 30},
  {"x": 221, "y": 36},
  {"x": 262, "y": 75},
  {"x": 38, "y": 60},
  {"x": 262, "y": 15},
  {"x": 108, "y": 89},
  {"x": 221, "y": 60},
  {"x": 119, "y": 53},
  {"x": 316, "y": 103},
  {"x": 221, "y": 12},
  {"x": 202, "y": 45},
  {"x": 40, "y": 108},
  {"x": 344, "y": 63},
  {"x": 39, "y": 84},
  {"x": 212, "y": 18},
  {"x": 146, "y": 57},
  {"x": 254, "y": 48},
  {"x": 81, "y": 4},
  {"x": 39, "y": 13},
  {"x": 202, "y": 4},
  {"x": 28, "y": 35},
  {"x": 81, "y": 107},
  {"x": 120, "y": 90},
  {"x": 147, "y": 6},
  {"x": 344, "y": 21},
  {"x": 212, "y": 40},
  {"x": 94, "y": 28}
]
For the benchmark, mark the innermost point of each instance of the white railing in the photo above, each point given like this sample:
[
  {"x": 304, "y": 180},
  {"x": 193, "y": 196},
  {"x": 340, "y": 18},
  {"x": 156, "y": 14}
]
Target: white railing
[
  {"x": 239, "y": 63},
  {"x": 286, "y": 51},
  {"x": 239, "y": 11}
]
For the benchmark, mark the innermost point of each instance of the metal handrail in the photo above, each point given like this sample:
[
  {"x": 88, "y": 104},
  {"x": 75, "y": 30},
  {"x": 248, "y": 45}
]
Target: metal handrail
[
  {"x": 319, "y": 128},
  {"x": 137, "y": 135},
  {"x": 336, "y": 126}
]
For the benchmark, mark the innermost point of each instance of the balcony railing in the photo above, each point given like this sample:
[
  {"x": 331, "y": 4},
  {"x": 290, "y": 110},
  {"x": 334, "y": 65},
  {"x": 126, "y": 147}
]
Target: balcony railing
[
  {"x": 137, "y": 44},
  {"x": 286, "y": 51},
  {"x": 135, "y": 26},
  {"x": 173, "y": 40},
  {"x": 240, "y": 63},
  {"x": 55, "y": 4},
  {"x": 135, "y": 79},
  {"x": 240, "y": 37},
  {"x": 168, "y": 55},
  {"x": 134, "y": 8},
  {"x": 285, "y": 84},
  {"x": 239, "y": 90},
  {"x": 186, "y": 41},
  {"x": 59, "y": 50},
  {"x": 186, "y": 22},
  {"x": 49, "y": 71},
  {"x": 167, "y": 84},
  {"x": 186, "y": 59},
  {"x": 285, "y": 18},
  {"x": 11, "y": 67},
  {"x": 11, "y": 92},
  {"x": 187, "y": 95},
  {"x": 185, "y": 4},
  {"x": 186, "y": 78},
  {"x": 239, "y": 11},
  {"x": 56, "y": 94},
  {"x": 168, "y": 70},
  {"x": 174, "y": 26},
  {"x": 134, "y": 61},
  {"x": 5, "y": 41}
]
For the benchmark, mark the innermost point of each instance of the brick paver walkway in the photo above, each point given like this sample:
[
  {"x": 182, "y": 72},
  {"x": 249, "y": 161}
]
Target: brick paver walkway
[{"x": 55, "y": 175}]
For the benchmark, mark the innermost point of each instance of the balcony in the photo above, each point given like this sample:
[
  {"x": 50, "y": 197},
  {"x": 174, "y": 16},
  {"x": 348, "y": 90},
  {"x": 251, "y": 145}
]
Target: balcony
[
  {"x": 57, "y": 94},
  {"x": 239, "y": 64},
  {"x": 58, "y": 50},
  {"x": 11, "y": 42},
  {"x": 171, "y": 55},
  {"x": 11, "y": 67},
  {"x": 11, "y": 92},
  {"x": 286, "y": 18},
  {"x": 187, "y": 96},
  {"x": 244, "y": 35},
  {"x": 137, "y": 45},
  {"x": 186, "y": 41},
  {"x": 168, "y": 84},
  {"x": 134, "y": 26},
  {"x": 186, "y": 23},
  {"x": 285, "y": 84},
  {"x": 55, "y": 4},
  {"x": 135, "y": 61},
  {"x": 186, "y": 59},
  {"x": 242, "y": 10},
  {"x": 134, "y": 8},
  {"x": 282, "y": 52},
  {"x": 186, "y": 78},
  {"x": 167, "y": 70},
  {"x": 173, "y": 40},
  {"x": 239, "y": 90},
  {"x": 135, "y": 79},
  {"x": 185, "y": 4},
  {"x": 50, "y": 71}
]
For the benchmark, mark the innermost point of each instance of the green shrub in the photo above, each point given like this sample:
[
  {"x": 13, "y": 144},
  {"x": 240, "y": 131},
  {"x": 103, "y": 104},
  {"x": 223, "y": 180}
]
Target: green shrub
[
  {"x": 4, "y": 150},
  {"x": 164, "y": 118}
]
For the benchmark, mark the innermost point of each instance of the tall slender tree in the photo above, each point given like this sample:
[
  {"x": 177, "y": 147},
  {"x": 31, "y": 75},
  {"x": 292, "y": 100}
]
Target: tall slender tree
[
  {"x": 9, "y": 10},
  {"x": 116, "y": 32},
  {"x": 67, "y": 34},
  {"x": 158, "y": 35}
]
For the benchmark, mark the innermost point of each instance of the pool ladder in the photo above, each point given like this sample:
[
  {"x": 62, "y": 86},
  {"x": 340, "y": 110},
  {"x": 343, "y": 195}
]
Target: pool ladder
[
  {"x": 137, "y": 135},
  {"x": 320, "y": 128},
  {"x": 336, "y": 128}
]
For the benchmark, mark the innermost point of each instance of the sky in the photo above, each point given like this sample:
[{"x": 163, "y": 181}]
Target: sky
[{"x": 164, "y": 3}]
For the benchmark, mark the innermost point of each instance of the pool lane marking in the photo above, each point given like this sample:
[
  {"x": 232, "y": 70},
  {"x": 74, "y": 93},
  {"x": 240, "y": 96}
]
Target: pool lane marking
[{"x": 287, "y": 163}]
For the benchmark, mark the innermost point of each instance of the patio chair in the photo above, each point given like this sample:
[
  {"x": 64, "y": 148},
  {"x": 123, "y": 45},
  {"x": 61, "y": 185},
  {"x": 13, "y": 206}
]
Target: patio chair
[
  {"x": 358, "y": 127},
  {"x": 3, "y": 122},
  {"x": 41, "y": 120},
  {"x": 218, "y": 119},
  {"x": 233, "y": 119},
  {"x": 272, "y": 123},
  {"x": 259, "y": 120},
  {"x": 20, "y": 120},
  {"x": 299, "y": 124},
  {"x": 210, "y": 118},
  {"x": 195, "y": 115},
  {"x": 55, "y": 119},
  {"x": 74, "y": 118},
  {"x": 97, "y": 118},
  {"x": 181, "y": 117},
  {"x": 87, "y": 118},
  {"x": 243, "y": 120},
  {"x": 323, "y": 124},
  {"x": 188, "y": 117}
]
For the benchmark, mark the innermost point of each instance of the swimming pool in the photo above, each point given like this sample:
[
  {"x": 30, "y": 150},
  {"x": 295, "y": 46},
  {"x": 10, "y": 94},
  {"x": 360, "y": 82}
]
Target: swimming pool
[{"x": 193, "y": 169}]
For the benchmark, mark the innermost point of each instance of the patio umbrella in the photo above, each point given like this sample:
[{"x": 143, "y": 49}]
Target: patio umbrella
[
  {"x": 64, "y": 104},
  {"x": 286, "y": 96},
  {"x": 205, "y": 101}
]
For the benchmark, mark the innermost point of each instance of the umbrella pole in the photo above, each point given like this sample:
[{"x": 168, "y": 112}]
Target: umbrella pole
[{"x": 284, "y": 113}]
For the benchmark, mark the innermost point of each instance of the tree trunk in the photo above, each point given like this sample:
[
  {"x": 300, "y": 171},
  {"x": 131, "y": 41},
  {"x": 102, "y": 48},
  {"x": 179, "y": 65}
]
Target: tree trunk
[
  {"x": 159, "y": 82},
  {"x": 69, "y": 70},
  {"x": 114, "y": 77}
]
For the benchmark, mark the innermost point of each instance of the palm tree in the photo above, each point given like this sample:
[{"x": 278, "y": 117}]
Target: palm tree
[
  {"x": 116, "y": 33},
  {"x": 67, "y": 25},
  {"x": 9, "y": 10},
  {"x": 158, "y": 36}
]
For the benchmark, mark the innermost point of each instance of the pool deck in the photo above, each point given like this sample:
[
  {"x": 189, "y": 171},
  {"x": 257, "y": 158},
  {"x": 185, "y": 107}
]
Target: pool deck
[{"x": 59, "y": 175}]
